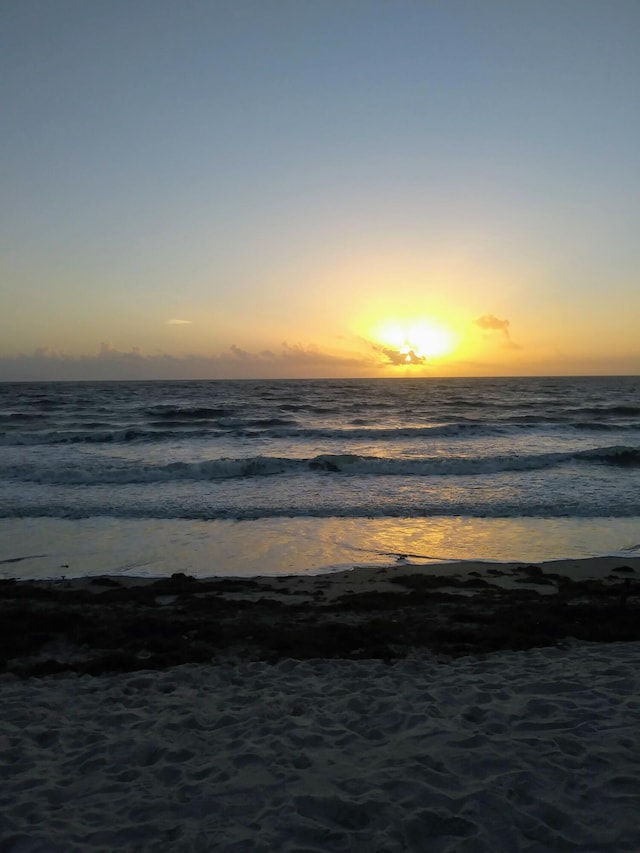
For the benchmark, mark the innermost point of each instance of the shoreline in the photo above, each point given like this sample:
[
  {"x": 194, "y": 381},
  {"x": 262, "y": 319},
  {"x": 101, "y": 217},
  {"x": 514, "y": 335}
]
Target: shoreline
[
  {"x": 96, "y": 625},
  {"x": 48, "y": 548}
]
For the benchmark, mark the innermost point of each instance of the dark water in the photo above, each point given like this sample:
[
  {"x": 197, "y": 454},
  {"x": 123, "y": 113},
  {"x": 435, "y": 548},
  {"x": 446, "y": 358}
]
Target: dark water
[{"x": 415, "y": 451}]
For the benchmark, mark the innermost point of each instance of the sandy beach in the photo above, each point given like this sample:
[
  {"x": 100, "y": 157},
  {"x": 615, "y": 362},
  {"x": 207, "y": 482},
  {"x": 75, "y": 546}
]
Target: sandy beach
[{"x": 363, "y": 710}]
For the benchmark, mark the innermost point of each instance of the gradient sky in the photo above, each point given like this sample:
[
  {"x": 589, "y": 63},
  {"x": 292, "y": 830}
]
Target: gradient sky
[{"x": 251, "y": 188}]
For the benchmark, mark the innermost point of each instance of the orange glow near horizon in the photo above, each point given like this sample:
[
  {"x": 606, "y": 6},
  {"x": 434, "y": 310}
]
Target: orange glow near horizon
[{"x": 416, "y": 341}]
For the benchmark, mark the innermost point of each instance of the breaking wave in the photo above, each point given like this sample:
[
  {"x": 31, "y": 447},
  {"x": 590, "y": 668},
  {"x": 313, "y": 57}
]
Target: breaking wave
[{"x": 102, "y": 472}]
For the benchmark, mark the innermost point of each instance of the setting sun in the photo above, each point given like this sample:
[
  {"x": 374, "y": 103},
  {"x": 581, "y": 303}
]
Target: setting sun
[{"x": 416, "y": 341}]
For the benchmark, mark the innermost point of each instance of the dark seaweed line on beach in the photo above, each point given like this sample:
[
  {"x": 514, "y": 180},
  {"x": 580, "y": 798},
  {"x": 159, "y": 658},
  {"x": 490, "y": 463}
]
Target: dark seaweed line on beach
[{"x": 49, "y": 630}]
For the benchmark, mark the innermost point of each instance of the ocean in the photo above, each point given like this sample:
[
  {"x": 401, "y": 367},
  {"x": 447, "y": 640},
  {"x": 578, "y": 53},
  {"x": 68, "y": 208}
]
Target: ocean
[{"x": 263, "y": 477}]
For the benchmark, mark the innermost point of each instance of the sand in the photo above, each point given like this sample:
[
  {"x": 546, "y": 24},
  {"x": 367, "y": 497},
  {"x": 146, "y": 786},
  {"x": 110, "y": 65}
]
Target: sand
[
  {"x": 531, "y": 751},
  {"x": 434, "y": 750}
]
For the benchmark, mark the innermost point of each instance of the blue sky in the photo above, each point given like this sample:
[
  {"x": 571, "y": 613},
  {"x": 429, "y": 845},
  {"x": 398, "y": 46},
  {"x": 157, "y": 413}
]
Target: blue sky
[{"x": 284, "y": 177}]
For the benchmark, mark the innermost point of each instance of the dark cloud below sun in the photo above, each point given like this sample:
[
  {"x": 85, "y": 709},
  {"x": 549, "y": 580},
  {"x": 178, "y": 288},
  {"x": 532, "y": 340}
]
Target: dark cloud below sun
[{"x": 400, "y": 357}]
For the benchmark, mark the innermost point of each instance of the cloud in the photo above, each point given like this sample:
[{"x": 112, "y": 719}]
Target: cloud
[
  {"x": 242, "y": 354},
  {"x": 175, "y": 322},
  {"x": 314, "y": 356},
  {"x": 492, "y": 324},
  {"x": 398, "y": 357},
  {"x": 109, "y": 352},
  {"x": 488, "y": 321},
  {"x": 292, "y": 361}
]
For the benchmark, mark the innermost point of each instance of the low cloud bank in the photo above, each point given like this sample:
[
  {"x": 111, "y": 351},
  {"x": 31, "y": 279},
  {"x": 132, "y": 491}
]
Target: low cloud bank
[{"x": 109, "y": 363}]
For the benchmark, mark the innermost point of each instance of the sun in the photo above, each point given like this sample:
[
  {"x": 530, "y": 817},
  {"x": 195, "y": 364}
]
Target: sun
[{"x": 416, "y": 341}]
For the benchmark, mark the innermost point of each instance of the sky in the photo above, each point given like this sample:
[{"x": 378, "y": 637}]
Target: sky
[{"x": 302, "y": 188}]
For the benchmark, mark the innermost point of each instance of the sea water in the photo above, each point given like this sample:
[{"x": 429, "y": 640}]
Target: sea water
[{"x": 248, "y": 477}]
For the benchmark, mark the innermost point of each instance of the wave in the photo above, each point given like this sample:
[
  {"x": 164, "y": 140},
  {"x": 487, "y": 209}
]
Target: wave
[
  {"x": 86, "y": 435},
  {"x": 111, "y": 473},
  {"x": 606, "y": 411},
  {"x": 170, "y": 425},
  {"x": 12, "y": 417},
  {"x": 203, "y": 511},
  {"x": 279, "y": 428},
  {"x": 625, "y": 457},
  {"x": 188, "y": 412}
]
